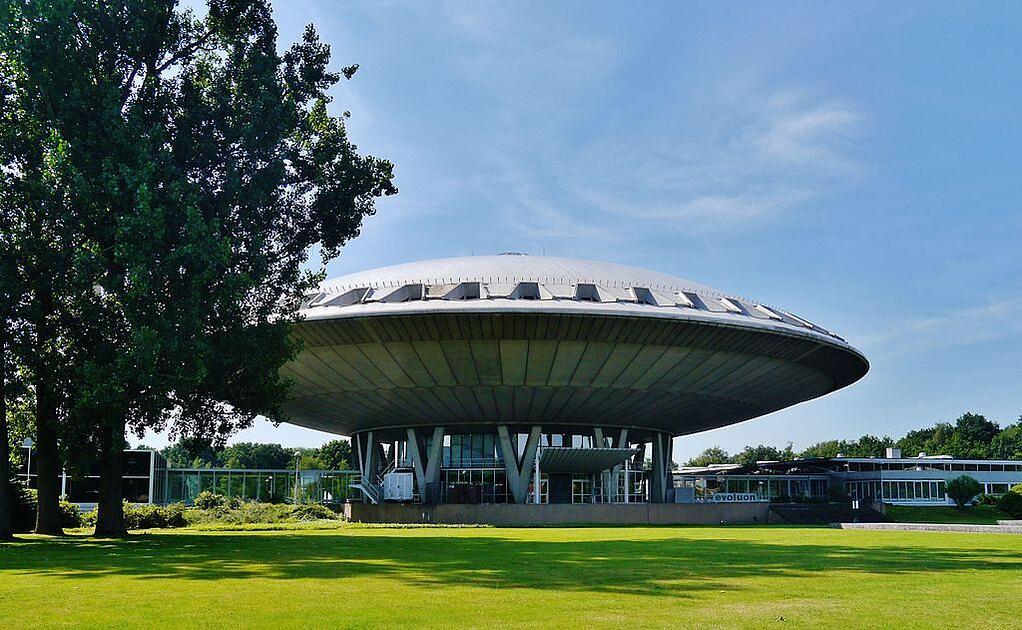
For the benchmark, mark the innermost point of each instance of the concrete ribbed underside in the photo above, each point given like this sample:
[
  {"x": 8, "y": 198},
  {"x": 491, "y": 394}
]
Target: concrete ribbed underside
[{"x": 679, "y": 377}]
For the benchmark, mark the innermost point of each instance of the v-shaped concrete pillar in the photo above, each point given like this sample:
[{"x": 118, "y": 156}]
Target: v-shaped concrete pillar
[
  {"x": 426, "y": 464},
  {"x": 518, "y": 472},
  {"x": 661, "y": 477}
]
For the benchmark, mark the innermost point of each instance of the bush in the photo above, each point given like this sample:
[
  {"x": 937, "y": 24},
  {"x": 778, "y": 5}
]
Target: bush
[
  {"x": 1011, "y": 504},
  {"x": 70, "y": 515},
  {"x": 962, "y": 490},
  {"x": 207, "y": 500},
  {"x": 311, "y": 512},
  {"x": 23, "y": 506},
  {"x": 89, "y": 518},
  {"x": 1017, "y": 488},
  {"x": 174, "y": 515},
  {"x": 144, "y": 516},
  {"x": 987, "y": 499}
]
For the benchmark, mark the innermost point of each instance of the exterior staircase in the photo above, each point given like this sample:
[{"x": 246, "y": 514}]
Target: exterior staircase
[
  {"x": 372, "y": 490},
  {"x": 822, "y": 514}
]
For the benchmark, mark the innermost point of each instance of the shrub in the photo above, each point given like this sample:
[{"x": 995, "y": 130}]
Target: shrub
[
  {"x": 89, "y": 518},
  {"x": 1011, "y": 504},
  {"x": 174, "y": 515},
  {"x": 311, "y": 512},
  {"x": 70, "y": 515},
  {"x": 962, "y": 490},
  {"x": 144, "y": 516},
  {"x": 987, "y": 499},
  {"x": 23, "y": 506},
  {"x": 207, "y": 500},
  {"x": 1017, "y": 488}
]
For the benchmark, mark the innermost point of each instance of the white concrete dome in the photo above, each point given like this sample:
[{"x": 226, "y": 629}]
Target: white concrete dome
[
  {"x": 484, "y": 341},
  {"x": 516, "y": 282}
]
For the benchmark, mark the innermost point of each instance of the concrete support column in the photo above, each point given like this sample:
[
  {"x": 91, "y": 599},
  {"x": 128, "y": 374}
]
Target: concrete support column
[
  {"x": 661, "y": 477},
  {"x": 617, "y": 472},
  {"x": 369, "y": 455},
  {"x": 426, "y": 463},
  {"x": 518, "y": 471}
]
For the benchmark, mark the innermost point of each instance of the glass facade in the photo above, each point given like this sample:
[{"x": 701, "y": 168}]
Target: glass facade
[
  {"x": 471, "y": 450},
  {"x": 268, "y": 486},
  {"x": 144, "y": 477},
  {"x": 768, "y": 487}
]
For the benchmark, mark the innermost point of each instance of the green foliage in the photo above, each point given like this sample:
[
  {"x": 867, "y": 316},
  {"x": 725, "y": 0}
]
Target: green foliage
[
  {"x": 1011, "y": 504},
  {"x": 309, "y": 459},
  {"x": 207, "y": 500},
  {"x": 251, "y": 455},
  {"x": 194, "y": 453},
  {"x": 1017, "y": 488},
  {"x": 89, "y": 519},
  {"x": 70, "y": 515},
  {"x": 23, "y": 507},
  {"x": 165, "y": 174},
  {"x": 311, "y": 512},
  {"x": 866, "y": 446},
  {"x": 762, "y": 452},
  {"x": 1008, "y": 443},
  {"x": 336, "y": 455},
  {"x": 712, "y": 455},
  {"x": 971, "y": 436},
  {"x": 248, "y": 513},
  {"x": 962, "y": 490},
  {"x": 145, "y": 516},
  {"x": 988, "y": 499}
]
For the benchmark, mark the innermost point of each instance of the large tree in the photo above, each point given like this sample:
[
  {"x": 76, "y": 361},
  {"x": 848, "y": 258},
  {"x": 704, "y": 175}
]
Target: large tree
[
  {"x": 204, "y": 166},
  {"x": 336, "y": 455},
  {"x": 256, "y": 455}
]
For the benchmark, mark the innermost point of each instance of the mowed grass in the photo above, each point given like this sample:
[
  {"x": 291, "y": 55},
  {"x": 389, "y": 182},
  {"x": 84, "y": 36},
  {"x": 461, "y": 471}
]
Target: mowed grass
[
  {"x": 516, "y": 578},
  {"x": 975, "y": 515}
]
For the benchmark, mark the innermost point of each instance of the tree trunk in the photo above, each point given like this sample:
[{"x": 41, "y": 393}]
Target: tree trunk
[
  {"x": 47, "y": 455},
  {"x": 110, "y": 513},
  {"x": 47, "y": 458},
  {"x": 6, "y": 521}
]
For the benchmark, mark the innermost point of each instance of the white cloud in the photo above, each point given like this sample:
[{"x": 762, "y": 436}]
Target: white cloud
[
  {"x": 756, "y": 159},
  {"x": 713, "y": 154},
  {"x": 991, "y": 321}
]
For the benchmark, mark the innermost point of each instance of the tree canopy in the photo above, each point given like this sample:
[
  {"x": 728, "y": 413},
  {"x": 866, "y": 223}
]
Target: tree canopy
[
  {"x": 971, "y": 436},
  {"x": 166, "y": 176},
  {"x": 198, "y": 453}
]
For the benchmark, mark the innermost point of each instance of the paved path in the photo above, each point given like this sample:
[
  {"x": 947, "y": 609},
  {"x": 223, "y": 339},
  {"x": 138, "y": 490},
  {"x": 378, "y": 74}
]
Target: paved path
[{"x": 934, "y": 527}]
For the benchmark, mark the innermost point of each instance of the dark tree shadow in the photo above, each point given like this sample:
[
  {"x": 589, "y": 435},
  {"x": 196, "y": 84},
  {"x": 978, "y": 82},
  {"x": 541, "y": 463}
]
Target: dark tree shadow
[{"x": 671, "y": 566}]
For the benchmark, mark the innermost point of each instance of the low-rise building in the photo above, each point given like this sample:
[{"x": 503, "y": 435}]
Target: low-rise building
[{"x": 894, "y": 479}]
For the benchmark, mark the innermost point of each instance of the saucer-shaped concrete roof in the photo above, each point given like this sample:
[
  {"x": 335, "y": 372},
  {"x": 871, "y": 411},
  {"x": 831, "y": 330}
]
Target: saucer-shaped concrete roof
[{"x": 513, "y": 339}]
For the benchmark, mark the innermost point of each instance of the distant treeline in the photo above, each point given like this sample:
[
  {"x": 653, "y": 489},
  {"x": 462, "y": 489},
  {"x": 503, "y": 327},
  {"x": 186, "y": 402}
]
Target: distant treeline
[
  {"x": 191, "y": 453},
  {"x": 970, "y": 437}
]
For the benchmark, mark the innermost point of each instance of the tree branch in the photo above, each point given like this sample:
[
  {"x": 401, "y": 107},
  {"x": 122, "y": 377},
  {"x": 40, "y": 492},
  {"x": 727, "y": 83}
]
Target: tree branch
[{"x": 190, "y": 49}]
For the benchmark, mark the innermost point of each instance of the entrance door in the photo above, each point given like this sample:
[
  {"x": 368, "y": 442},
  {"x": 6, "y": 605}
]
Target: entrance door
[{"x": 560, "y": 487}]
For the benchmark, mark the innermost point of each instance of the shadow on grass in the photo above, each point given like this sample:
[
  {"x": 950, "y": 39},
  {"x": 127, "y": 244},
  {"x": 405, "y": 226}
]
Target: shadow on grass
[{"x": 666, "y": 567}]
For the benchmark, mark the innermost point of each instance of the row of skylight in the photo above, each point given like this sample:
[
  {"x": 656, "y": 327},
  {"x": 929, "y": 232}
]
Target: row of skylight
[{"x": 581, "y": 292}]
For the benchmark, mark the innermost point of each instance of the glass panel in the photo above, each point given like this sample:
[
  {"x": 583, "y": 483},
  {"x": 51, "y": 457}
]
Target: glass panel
[{"x": 136, "y": 463}]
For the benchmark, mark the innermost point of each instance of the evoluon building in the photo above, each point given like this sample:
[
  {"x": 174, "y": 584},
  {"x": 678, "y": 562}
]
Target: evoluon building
[{"x": 521, "y": 379}]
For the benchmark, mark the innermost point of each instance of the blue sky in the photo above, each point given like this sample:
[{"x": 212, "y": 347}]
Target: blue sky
[{"x": 856, "y": 163}]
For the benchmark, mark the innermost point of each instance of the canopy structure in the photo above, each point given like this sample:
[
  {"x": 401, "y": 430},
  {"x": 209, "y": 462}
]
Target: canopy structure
[
  {"x": 563, "y": 459},
  {"x": 467, "y": 367}
]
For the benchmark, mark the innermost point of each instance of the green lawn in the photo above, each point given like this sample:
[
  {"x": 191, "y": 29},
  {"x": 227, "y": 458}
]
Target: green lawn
[
  {"x": 516, "y": 578},
  {"x": 978, "y": 515}
]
